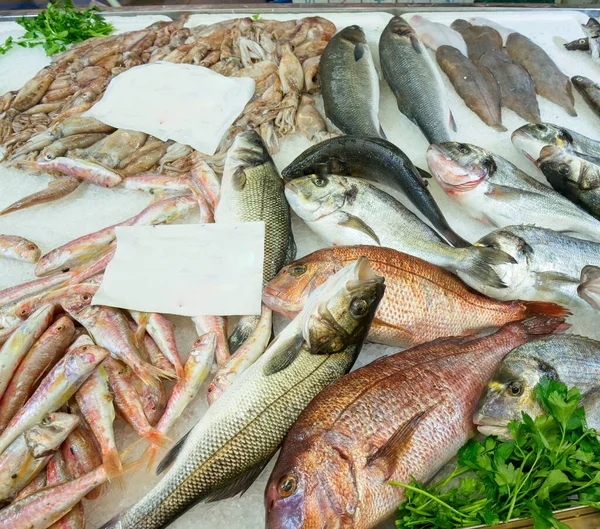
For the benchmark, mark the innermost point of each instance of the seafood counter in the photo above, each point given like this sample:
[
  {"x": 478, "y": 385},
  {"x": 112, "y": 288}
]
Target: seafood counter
[{"x": 429, "y": 187}]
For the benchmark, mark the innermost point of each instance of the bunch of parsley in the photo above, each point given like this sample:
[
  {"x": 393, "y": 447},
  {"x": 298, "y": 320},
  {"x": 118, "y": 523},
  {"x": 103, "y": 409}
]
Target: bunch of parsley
[
  {"x": 552, "y": 462},
  {"x": 59, "y": 25}
]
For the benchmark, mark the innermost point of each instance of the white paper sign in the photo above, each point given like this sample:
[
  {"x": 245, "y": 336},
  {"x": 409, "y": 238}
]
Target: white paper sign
[
  {"x": 190, "y": 269},
  {"x": 183, "y": 102}
]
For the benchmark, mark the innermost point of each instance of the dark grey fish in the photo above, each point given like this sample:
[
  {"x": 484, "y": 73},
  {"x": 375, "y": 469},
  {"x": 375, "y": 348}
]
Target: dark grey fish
[
  {"x": 582, "y": 44},
  {"x": 373, "y": 159},
  {"x": 480, "y": 39},
  {"x": 415, "y": 81},
  {"x": 350, "y": 84},
  {"x": 589, "y": 90}
]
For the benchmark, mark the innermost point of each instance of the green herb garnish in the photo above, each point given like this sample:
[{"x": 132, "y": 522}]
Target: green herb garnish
[
  {"x": 257, "y": 16},
  {"x": 551, "y": 463},
  {"x": 59, "y": 25}
]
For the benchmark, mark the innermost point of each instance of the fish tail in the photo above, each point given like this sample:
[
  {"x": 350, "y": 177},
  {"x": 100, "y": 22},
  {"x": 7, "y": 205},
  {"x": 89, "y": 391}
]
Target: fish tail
[
  {"x": 542, "y": 324},
  {"x": 533, "y": 308},
  {"x": 150, "y": 374},
  {"x": 113, "y": 466},
  {"x": 242, "y": 331},
  {"x": 156, "y": 438},
  {"x": 478, "y": 262}
]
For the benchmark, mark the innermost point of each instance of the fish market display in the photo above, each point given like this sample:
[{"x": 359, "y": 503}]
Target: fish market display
[
  {"x": 480, "y": 39},
  {"x": 574, "y": 360},
  {"x": 19, "y": 249},
  {"x": 347, "y": 211},
  {"x": 481, "y": 96},
  {"x": 223, "y": 454},
  {"x": 549, "y": 81},
  {"x": 517, "y": 91},
  {"x": 401, "y": 417},
  {"x": 589, "y": 90},
  {"x": 498, "y": 194},
  {"x": 421, "y": 302},
  {"x": 414, "y": 80},
  {"x": 547, "y": 264},
  {"x": 589, "y": 289},
  {"x": 373, "y": 159},
  {"x": 572, "y": 176},
  {"x": 533, "y": 137},
  {"x": 350, "y": 84},
  {"x": 434, "y": 35}
]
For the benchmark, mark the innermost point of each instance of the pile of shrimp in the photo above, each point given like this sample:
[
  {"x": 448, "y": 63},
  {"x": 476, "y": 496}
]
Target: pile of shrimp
[{"x": 42, "y": 129}]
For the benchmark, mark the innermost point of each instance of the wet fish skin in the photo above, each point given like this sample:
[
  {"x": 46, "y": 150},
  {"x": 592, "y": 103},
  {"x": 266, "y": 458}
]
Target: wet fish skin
[
  {"x": 373, "y": 159},
  {"x": 480, "y": 39},
  {"x": 533, "y": 137},
  {"x": 231, "y": 447},
  {"x": 499, "y": 194},
  {"x": 481, "y": 97},
  {"x": 58, "y": 474},
  {"x": 573, "y": 177},
  {"x": 517, "y": 91},
  {"x": 415, "y": 81},
  {"x": 434, "y": 35},
  {"x": 589, "y": 90},
  {"x": 349, "y": 83},
  {"x": 549, "y": 81},
  {"x": 45, "y": 352},
  {"x": 574, "y": 360},
  {"x": 347, "y": 211},
  {"x": 400, "y": 417},
  {"x": 409, "y": 313},
  {"x": 19, "y": 249}
]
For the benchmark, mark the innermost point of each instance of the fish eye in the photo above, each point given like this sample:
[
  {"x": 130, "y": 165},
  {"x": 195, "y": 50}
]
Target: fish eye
[
  {"x": 564, "y": 136},
  {"x": 297, "y": 270},
  {"x": 463, "y": 149},
  {"x": 287, "y": 485},
  {"x": 320, "y": 182},
  {"x": 541, "y": 127},
  {"x": 85, "y": 297},
  {"x": 564, "y": 169},
  {"x": 358, "y": 307},
  {"x": 515, "y": 388},
  {"x": 46, "y": 420},
  {"x": 24, "y": 312}
]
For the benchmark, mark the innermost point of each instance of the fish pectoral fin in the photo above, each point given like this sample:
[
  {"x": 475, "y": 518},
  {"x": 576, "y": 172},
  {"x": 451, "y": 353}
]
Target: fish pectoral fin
[
  {"x": 548, "y": 280},
  {"x": 285, "y": 357},
  {"x": 357, "y": 224},
  {"x": 171, "y": 455},
  {"x": 452, "y": 122},
  {"x": 424, "y": 174},
  {"x": 238, "y": 485},
  {"x": 238, "y": 179},
  {"x": 416, "y": 44},
  {"x": 360, "y": 49},
  {"x": 397, "y": 443}
]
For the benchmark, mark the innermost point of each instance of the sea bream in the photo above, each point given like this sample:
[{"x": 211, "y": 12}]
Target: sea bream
[
  {"x": 226, "y": 450},
  {"x": 399, "y": 418},
  {"x": 499, "y": 194}
]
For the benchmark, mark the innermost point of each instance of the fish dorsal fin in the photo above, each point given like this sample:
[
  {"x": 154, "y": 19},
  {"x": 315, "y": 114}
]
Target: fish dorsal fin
[
  {"x": 359, "y": 50},
  {"x": 285, "y": 357},
  {"x": 171, "y": 455},
  {"x": 396, "y": 444},
  {"x": 240, "y": 484},
  {"x": 423, "y": 173},
  {"x": 357, "y": 224}
]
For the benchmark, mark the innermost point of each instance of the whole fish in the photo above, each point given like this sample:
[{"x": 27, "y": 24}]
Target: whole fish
[
  {"x": 480, "y": 39},
  {"x": 434, "y": 35},
  {"x": 517, "y": 91},
  {"x": 17, "y": 346},
  {"x": 495, "y": 192},
  {"x": 415, "y": 81},
  {"x": 589, "y": 90},
  {"x": 576, "y": 178},
  {"x": 226, "y": 450},
  {"x": 348, "y": 211},
  {"x": 574, "y": 360},
  {"x": 547, "y": 264},
  {"x": 59, "y": 188},
  {"x": 421, "y": 303},
  {"x": 55, "y": 389},
  {"x": 252, "y": 190},
  {"x": 43, "y": 355},
  {"x": 58, "y": 474},
  {"x": 399, "y": 418},
  {"x": 549, "y": 81},
  {"x": 530, "y": 139},
  {"x": 19, "y": 249},
  {"x": 502, "y": 30},
  {"x": 373, "y": 159},
  {"x": 47, "y": 506},
  {"x": 589, "y": 289},
  {"x": 481, "y": 96},
  {"x": 350, "y": 84},
  {"x": 29, "y": 453}
]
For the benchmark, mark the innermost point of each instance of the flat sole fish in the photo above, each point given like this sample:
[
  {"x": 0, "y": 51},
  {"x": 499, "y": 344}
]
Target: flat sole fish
[{"x": 480, "y": 39}]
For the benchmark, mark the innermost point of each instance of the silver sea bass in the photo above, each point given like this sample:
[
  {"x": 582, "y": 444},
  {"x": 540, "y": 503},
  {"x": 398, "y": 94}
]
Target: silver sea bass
[{"x": 226, "y": 450}]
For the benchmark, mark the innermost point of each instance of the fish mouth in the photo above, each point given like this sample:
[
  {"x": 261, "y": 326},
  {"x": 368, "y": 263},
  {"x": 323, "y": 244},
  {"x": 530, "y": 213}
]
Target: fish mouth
[
  {"x": 491, "y": 425},
  {"x": 499, "y": 431},
  {"x": 441, "y": 165},
  {"x": 272, "y": 299}
]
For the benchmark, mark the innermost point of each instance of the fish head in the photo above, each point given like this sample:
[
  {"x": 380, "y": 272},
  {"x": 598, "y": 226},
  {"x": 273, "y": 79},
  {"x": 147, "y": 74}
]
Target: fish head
[
  {"x": 400, "y": 28},
  {"x": 247, "y": 151},
  {"x": 533, "y": 137},
  {"x": 510, "y": 392},
  {"x": 353, "y": 34},
  {"x": 81, "y": 361},
  {"x": 75, "y": 303},
  {"x": 311, "y": 487},
  {"x": 313, "y": 197},
  {"x": 459, "y": 167},
  {"x": 290, "y": 288},
  {"x": 559, "y": 166},
  {"x": 340, "y": 311},
  {"x": 27, "y": 250},
  {"x": 47, "y": 435}
]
